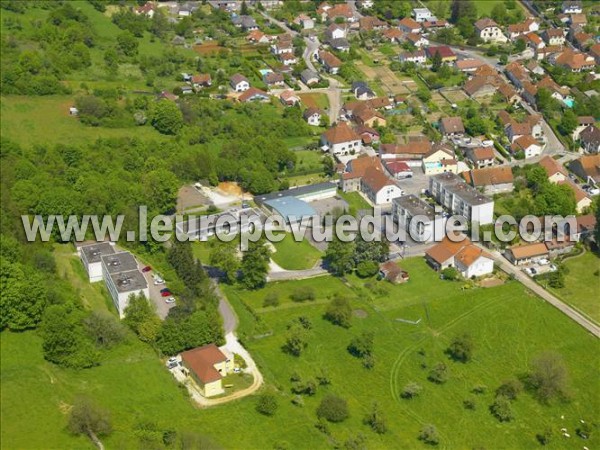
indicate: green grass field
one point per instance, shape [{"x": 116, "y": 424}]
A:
[
  {"x": 485, "y": 7},
  {"x": 509, "y": 327},
  {"x": 309, "y": 160},
  {"x": 46, "y": 120},
  {"x": 582, "y": 284},
  {"x": 355, "y": 201},
  {"x": 292, "y": 255}
]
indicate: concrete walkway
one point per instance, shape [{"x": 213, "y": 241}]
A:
[{"x": 575, "y": 315}]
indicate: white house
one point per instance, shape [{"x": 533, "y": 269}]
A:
[
  {"x": 379, "y": 188},
  {"x": 312, "y": 116},
  {"x": 335, "y": 31},
  {"x": 470, "y": 260},
  {"x": 572, "y": 7},
  {"x": 91, "y": 257},
  {"x": 450, "y": 191},
  {"x": 417, "y": 57},
  {"x": 341, "y": 140},
  {"x": 422, "y": 15},
  {"x": 239, "y": 83},
  {"x": 528, "y": 145},
  {"x": 418, "y": 218},
  {"x": 123, "y": 279},
  {"x": 489, "y": 31}
]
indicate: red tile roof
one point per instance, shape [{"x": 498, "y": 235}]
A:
[{"x": 202, "y": 360}]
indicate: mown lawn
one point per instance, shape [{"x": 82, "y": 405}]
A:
[
  {"x": 292, "y": 255},
  {"x": 315, "y": 100},
  {"x": 582, "y": 284},
  {"x": 355, "y": 201}
]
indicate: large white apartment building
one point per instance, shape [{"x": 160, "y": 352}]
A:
[
  {"x": 418, "y": 218},
  {"x": 123, "y": 279},
  {"x": 91, "y": 257},
  {"x": 450, "y": 191}
]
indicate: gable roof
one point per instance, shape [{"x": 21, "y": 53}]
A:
[
  {"x": 481, "y": 153},
  {"x": 524, "y": 142},
  {"x": 452, "y": 125},
  {"x": 329, "y": 59},
  {"x": 409, "y": 23},
  {"x": 484, "y": 23},
  {"x": 341, "y": 133},
  {"x": 551, "y": 166},
  {"x": 529, "y": 250},
  {"x": 202, "y": 360},
  {"x": 357, "y": 167},
  {"x": 590, "y": 135},
  {"x": 464, "y": 251},
  {"x": 443, "y": 50},
  {"x": 376, "y": 179},
  {"x": 310, "y": 112},
  {"x": 490, "y": 176},
  {"x": 238, "y": 78},
  {"x": 252, "y": 92}
]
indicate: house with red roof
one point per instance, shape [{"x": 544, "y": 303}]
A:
[{"x": 207, "y": 366}]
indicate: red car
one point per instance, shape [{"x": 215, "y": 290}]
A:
[
  {"x": 147, "y": 269},
  {"x": 165, "y": 294}
]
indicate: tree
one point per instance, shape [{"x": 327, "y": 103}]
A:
[
  {"x": 476, "y": 126},
  {"x": 339, "y": 311},
  {"x": 64, "y": 340},
  {"x": 296, "y": 340},
  {"x": 463, "y": 9},
  {"x": 104, "y": 329},
  {"x": 549, "y": 377},
  {"x": 89, "y": 419},
  {"x": 461, "y": 348},
  {"x": 376, "y": 420},
  {"x": 436, "y": 61},
  {"x": 362, "y": 345},
  {"x": 510, "y": 389},
  {"x": 167, "y": 117},
  {"x": 450, "y": 273},
  {"x": 23, "y": 296},
  {"x": 267, "y": 404},
  {"x": 568, "y": 122},
  {"x": 501, "y": 409},
  {"x": 140, "y": 317},
  {"x": 547, "y": 104},
  {"x": 545, "y": 436},
  {"x": 439, "y": 373},
  {"x": 127, "y": 44},
  {"x": 499, "y": 14},
  {"x": 520, "y": 45},
  {"x": 255, "y": 265},
  {"x": 429, "y": 434},
  {"x": 411, "y": 390},
  {"x": 224, "y": 257},
  {"x": 244, "y": 8},
  {"x": 339, "y": 257},
  {"x": 366, "y": 269},
  {"x": 333, "y": 408}
]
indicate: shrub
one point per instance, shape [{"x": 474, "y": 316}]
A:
[
  {"x": 479, "y": 389},
  {"x": 271, "y": 299},
  {"x": 450, "y": 273},
  {"x": 429, "y": 435},
  {"x": 544, "y": 437},
  {"x": 461, "y": 348},
  {"x": 411, "y": 390},
  {"x": 501, "y": 409},
  {"x": 549, "y": 377},
  {"x": 339, "y": 311},
  {"x": 298, "y": 400},
  {"x": 303, "y": 294},
  {"x": 367, "y": 269},
  {"x": 267, "y": 404},
  {"x": 510, "y": 389},
  {"x": 307, "y": 388},
  {"x": 376, "y": 420},
  {"x": 439, "y": 373},
  {"x": 584, "y": 430},
  {"x": 469, "y": 403},
  {"x": 333, "y": 409}
]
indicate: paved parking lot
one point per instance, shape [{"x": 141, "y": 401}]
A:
[
  {"x": 328, "y": 205},
  {"x": 162, "y": 307},
  {"x": 416, "y": 184}
]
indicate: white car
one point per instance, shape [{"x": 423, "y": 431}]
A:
[
  {"x": 237, "y": 370},
  {"x": 170, "y": 300},
  {"x": 543, "y": 262},
  {"x": 158, "y": 280}
]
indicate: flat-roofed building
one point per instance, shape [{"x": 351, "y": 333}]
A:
[
  {"x": 450, "y": 191},
  {"x": 123, "y": 279},
  {"x": 418, "y": 218},
  {"x": 91, "y": 257}
]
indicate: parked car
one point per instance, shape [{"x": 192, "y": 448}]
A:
[
  {"x": 165, "y": 293},
  {"x": 553, "y": 268},
  {"x": 543, "y": 262},
  {"x": 158, "y": 281},
  {"x": 533, "y": 271},
  {"x": 172, "y": 359},
  {"x": 170, "y": 300},
  {"x": 171, "y": 365},
  {"x": 164, "y": 290},
  {"x": 237, "y": 370}
]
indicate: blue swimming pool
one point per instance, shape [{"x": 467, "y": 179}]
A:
[
  {"x": 569, "y": 102},
  {"x": 263, "y": 72}
]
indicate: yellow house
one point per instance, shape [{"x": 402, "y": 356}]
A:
[
  {"x": 207, "y": 366},
  {"x": 439, "y": 160}
]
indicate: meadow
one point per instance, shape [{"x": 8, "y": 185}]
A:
[
  {"x": 292, "y": 255},
  {"x": 582, "y": 283},
  {"x": 509, "y": 327}
]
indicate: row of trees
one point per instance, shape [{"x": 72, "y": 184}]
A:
[{"x": 344, "y": 257}]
